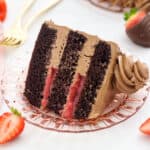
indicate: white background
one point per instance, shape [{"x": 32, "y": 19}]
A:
[{"x": 81, "y": 15}]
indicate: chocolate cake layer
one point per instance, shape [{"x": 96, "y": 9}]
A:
[
  {"x": 94, "y": 79},
  {"x": 106, "y": 93},
  {"x": 56, "y": 55},
  {"x": 80, "y": 76},
  {"x": 38, "y": 66},
  {"x": 66, "y": 71},
  {"x": 58, "y": 49}
]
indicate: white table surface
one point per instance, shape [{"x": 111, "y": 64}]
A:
[{"x": 81, "y": 15}]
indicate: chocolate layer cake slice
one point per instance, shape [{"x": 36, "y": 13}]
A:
[{"x": 75, "y": 74}]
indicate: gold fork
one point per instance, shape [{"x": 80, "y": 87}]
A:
[
  {"x": 17, "y": 35},
  {"x": 10, "y": 37}
]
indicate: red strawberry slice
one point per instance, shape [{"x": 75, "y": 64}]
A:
[
  {"x": 145, "y": 127},
  {"x": 11, "y": 125},
  {"x": 135, "y": 19}
]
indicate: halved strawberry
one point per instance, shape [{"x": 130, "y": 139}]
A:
[
  {"x": 133, "y": 18},
  {"x": 11, "y": 125},
  {"x": 145, "y": 127}
]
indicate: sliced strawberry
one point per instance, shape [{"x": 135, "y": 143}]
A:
[
  {"x": 3, "y": 10},
  {"x": 11, "y": 125},
  {"x": 145, "y": 127},
  {"x": 133, "y": 18}
]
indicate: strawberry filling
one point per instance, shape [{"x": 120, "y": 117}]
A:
[
  {"x": 48, "y": 86},
  {"x": 73, "y": 98}
]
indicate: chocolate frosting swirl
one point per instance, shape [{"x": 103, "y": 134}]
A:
[{"x": 129, "y": 76}]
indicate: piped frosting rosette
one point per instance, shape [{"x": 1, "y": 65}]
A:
[{"x": 129, "y": 75}]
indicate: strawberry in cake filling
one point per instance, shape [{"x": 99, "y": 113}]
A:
[
  {"x": 48, "y": 86},
  {"x": 73, "y": 97}
]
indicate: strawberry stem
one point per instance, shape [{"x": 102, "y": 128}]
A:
[
  {"x": 15, "y": 111},
  {"x": 128, "y": 15}
]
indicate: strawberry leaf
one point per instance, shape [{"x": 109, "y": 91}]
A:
[
  {"x": 127, "y": 15},
  {"x": 15, "y": 111}
]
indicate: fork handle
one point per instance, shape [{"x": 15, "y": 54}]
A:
[
  {"x": 25, "y": 8},
  {"x": 51, "y": 4}
]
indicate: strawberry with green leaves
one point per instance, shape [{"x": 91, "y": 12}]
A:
[
  {"x": 11, "y": 125},
  {"x": 134, "y": 17},
  {"x": 138, "y": 27}
]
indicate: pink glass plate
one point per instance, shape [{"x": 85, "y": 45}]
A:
[
  {"x": 121, "y": 108},
  {"x": 106, "y": 5}
]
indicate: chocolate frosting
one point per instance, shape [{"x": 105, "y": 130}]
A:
[
  {"x": 140, "y": 33},
  {"x": 129, "y": 76}
]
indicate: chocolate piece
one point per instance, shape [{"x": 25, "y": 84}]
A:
[{"x": 140, "y": 33}]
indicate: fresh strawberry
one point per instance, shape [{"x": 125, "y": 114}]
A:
[
  {"x": 145, "y": 127},
  {"x": 3, "y": 10},
  {"x": 133, "y": 18},
  {"x": 11, "y": 125}
]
